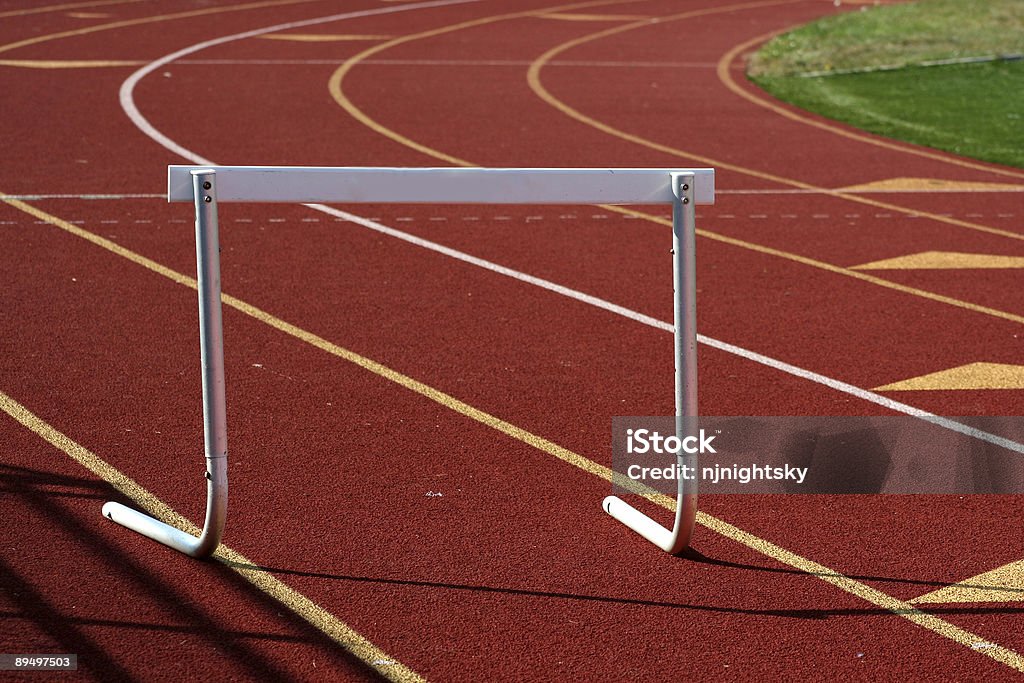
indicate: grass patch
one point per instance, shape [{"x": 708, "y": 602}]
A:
[
  {"x": 974, "y": 110},
  {"x": 894, "y": 36},
  {"x": 970, "y": 109}
]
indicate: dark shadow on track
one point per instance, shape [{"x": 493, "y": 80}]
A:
[
  {"x": 697, "y": 556},
  {"x": 48, "y": 494},
  {"x": 14, "y": 479},
  {"x": 791, "y": 614}
]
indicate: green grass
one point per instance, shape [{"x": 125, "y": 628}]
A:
[{"x": 969, "y": 109}]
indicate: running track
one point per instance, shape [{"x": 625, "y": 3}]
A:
[{"x": 380, "y": 522}]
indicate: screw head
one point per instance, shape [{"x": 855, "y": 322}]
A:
[
  {"x": 686, "y": 200},
  {"x": 686, "y": 187},
  {"x": 207, "y": 185},
  {"x": 207, "y": 199}
]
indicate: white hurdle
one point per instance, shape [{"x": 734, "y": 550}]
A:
[{"x": 206, "y": 186}]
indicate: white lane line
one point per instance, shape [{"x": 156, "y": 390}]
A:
[{"x": 128, "y": 105}]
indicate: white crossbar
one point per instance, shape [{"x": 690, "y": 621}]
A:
[{"x": 441, "y": 185}]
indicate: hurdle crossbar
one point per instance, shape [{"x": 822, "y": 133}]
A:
[{"x": 206, "y": 186}]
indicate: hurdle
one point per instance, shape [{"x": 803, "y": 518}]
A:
[{"x": 207, "y": 186}]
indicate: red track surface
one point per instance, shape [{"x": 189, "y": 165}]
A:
[{"x": 514, "y": 572}]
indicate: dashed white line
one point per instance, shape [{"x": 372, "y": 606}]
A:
[{"x": 440, "y": 219}]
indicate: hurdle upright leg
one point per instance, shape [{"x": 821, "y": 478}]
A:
[
  {"x": 211, "y": 343},
  {"x": 684, "y": 278}
]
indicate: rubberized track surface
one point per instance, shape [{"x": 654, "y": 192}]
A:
[{"x": 419, "y": 444}]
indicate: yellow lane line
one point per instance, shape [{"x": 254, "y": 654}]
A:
[
  {"x": 320, "y": 37},
  {"x": 533, "y": 77},
  {"x": 567, "y": 16},
  {"x": 899, "y": 607},
  {"x": 58, "y": 8},
  {"x": 315, "y": 615},
  {"x": 146, "y": 20},
  {"x": 67, "y": 63},
  {"x": 725, "y": 75}
]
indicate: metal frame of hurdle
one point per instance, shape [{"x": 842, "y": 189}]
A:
[{"x": 206, "y": 186}]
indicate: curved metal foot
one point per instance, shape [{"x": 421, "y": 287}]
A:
[
  {"x": 674, "y": 540},
  {"x": 216, "y": 514}
]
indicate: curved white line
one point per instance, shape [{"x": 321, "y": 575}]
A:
[
  {"x": 126, "y": 93},
  {"x": 128, "y": 104}
]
